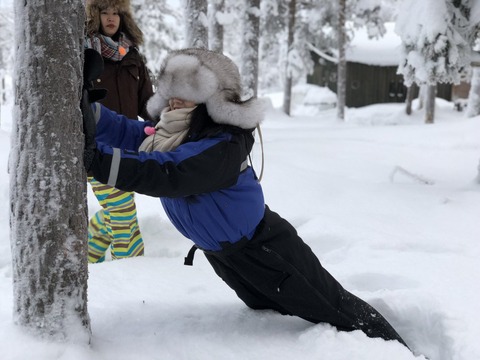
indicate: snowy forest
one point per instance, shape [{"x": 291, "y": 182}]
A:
[
  {"x": 277, "y": 45},
  {"x": 438, "y": 38}
]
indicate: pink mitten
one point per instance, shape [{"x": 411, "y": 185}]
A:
[{"x": 149, "y": 130}]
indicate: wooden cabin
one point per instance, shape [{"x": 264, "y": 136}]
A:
[{"x": 371, "y": 71}]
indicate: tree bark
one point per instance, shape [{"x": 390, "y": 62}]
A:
[
  {"x": 48, "y": 209},
  {"x": 287, "y": 92}
]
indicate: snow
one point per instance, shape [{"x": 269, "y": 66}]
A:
[
  {"x": 408, "y": 248},
  {"x": 436, "y": 42},
  {"x": 382, "y": 51}
]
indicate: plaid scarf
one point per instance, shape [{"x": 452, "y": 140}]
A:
[{"x": 110, "y": 49}]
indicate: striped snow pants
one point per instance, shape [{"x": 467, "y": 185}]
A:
[{"x": 114, "y": 226}]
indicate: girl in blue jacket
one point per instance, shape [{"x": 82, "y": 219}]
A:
[{"x": 213, "y": 197}]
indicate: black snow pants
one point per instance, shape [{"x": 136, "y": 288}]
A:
[{"x": 277, "y": 270}]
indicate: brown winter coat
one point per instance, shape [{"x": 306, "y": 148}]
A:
[{"x": 128, "y": 85}]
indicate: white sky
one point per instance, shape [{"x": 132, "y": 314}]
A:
[{"x": 408, "y": 248}]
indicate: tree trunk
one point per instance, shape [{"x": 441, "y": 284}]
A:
[
  {"x": 473, "y": 104},
  {"x": 409, "y": 100},
  {"x": 251, "y": 34},
  {"x": 478, "y": 173},
  {"x": 431, "y": 92},
  {"x": 215, "y": 27},
  {"x": 422, "y": 93},
  {"x": 342, "y": 62},
  {"x": 48, "y": 209},
  {"x": 287, "y": 92},
  {"x": 196, "y": 24},
  {"x": 3, "y": 91}
]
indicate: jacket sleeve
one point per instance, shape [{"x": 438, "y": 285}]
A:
[
  {"x": 193, "y": 168},
  {"x": 117, "y": 130}
]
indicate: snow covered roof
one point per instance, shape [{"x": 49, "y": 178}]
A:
[{"x": 384, "y": 51}]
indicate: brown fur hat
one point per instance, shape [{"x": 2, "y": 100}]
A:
[{"x": 127, "y": 23}]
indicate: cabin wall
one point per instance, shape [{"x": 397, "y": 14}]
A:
[{"x": 368, "y": 84}]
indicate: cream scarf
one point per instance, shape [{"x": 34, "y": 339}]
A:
[{"x": 170, "y": 130}]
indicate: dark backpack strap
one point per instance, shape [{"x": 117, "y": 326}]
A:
[{"x": 191, "y": 254}]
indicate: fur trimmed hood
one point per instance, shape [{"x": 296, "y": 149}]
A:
[
  {"x": 210, "y": 78},
  {"x": 128, "y": 25}
]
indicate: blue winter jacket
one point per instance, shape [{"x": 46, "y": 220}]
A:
[{"x": 206, "y": 187}]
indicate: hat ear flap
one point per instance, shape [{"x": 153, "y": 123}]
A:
[
  {"x": 155, "y": 105},
  {"x": 244, "y": 114}
]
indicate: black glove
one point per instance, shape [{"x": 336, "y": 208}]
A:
[
  {"x": 93, "y": 67},
  {"x": 89, "y": 130}
]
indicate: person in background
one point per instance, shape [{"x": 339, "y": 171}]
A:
[
  {"x": 112, "y": 31},
  {"x": 196, "y": 161}
]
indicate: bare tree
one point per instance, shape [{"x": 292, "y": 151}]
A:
[
  {"x": 48, "y": 209},
  {"x": 196, "y": 24},
  {"x": 250, "y": 46}
]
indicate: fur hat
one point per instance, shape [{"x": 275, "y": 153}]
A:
[
  {"x": 127, "y": 23},
  {"x": 210, "y": 78}
]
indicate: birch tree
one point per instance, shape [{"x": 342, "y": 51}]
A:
[{"x": 48, "y": 210}]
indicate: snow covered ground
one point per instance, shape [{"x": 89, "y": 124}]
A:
[{"x": 407, "y": 246}]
